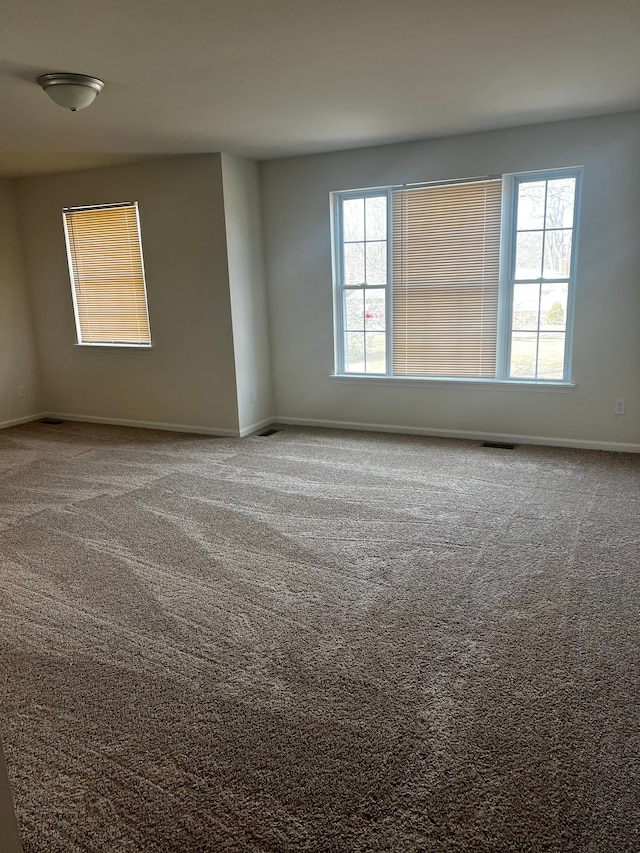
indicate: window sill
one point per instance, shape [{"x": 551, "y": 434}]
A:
[
  {"x": 490, "y": 384},
  {"x": 128, "y": 347}
]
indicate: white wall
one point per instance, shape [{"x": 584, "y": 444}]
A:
[
  {"x": 18, "y": 359},
  {"x": 606, "y": 356},
  {"x": 247, "y": 287},
  {"x": 188, "y": 377}
]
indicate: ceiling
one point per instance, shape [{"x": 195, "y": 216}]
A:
[{"x": 272, "y": 78}]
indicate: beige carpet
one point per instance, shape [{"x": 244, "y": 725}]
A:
[{"x": 317, "y": 641}]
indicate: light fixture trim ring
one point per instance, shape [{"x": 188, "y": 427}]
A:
[{"x": 66, "y": 79}]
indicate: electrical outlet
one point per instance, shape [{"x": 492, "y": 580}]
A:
[
  {"x": 619, "y": 408},
  {"x": 22, "y": 391},
  {"x": 252, "y": 396}
]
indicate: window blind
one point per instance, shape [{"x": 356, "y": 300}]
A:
[
  {"x": 446, "y": 259},
  {"x": 107, "y": 274}
]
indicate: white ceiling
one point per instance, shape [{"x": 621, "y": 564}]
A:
[{"x": 271, "y": 78}]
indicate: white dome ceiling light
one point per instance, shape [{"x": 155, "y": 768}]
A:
[{"x": 71, "y": 91}]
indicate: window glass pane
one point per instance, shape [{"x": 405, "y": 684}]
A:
[
  {"x": 376, "y": 263},
  {"x": 354, "y": 263},
  {"x": 531, "y": 204},
  {"x": 551, "y": 355},
  {"x": 375, "y": 310},
  {"x": 529, "y": 254},
  {"x": 354, "y": 313},
  {"x": 553, "y": 306},
  {"x": 354, "y": 352},
  {"x": 376, "y": 362},
  {"x": 353, "y": 219},
  {"x": 560, "y": 198},
  {"x": 523, "y": 354},
  {"x": 376, "y": 218},
  {"x": 526, "y": 299},
  {"x": 557, "y": 254}
]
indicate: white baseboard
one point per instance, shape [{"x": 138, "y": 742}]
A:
[
  {"x": 551, "y": 441},
  {"x": 223, "y": 433},
  {"x": 256, "y": 426},
  {"x": 25, "y": 420}
]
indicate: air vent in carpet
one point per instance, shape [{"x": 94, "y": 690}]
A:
[
  {"x": 268, "y": 432},
  {"x": 50, "y": 421},
  {"x": 498, "y": 445}
]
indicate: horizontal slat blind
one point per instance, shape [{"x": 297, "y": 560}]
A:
[
  {"x": 105, "y": 261},
  {"x": 446, "y": 258}
]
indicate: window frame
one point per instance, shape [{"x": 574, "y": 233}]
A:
[
  {"x": 340, "y": 288},
  {"x": 508, "y": 240},
  {"x": 508, "y": 236},
  {"x": 147, "y": 345}
]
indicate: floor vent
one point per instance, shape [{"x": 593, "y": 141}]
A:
[
  {"x": 268, "y": 432},
  {"x": 498, "y": 445},
  {"x": 50, "y": 421}
]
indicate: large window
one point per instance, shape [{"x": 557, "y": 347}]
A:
[
  {"x": 467, "y": 280},
  {"x": 107, "y": 275}
]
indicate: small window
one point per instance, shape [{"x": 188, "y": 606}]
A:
[
  {"x": 107, "y": 275},
  {"x": 364, "y": 277},
  {"x": 541, "y": 281}
]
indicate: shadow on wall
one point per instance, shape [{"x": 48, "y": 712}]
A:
[{"x": 8, "y": 827}]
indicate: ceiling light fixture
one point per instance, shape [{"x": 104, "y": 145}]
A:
[{"x": 71, "y": 91}]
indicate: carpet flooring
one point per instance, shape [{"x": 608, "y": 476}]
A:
[{"x": 317, "y": 641}]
